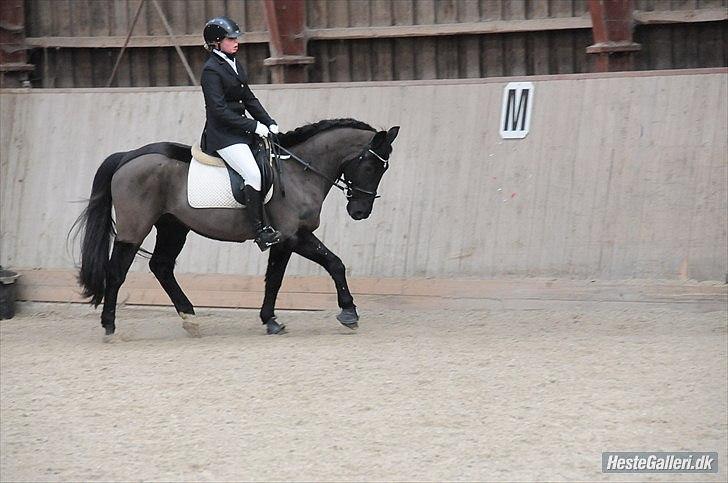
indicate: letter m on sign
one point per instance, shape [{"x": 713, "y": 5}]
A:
[{"x": 516, "y": 111}]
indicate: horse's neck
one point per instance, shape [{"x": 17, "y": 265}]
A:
[{"x": 330, "y": 149}]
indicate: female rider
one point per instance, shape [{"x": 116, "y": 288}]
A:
[{"x": 228, "y": 132}]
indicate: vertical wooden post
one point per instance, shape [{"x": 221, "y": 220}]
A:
[
  {"x": 612, "y": 30},
  {"x": 287, "y": 28},
  {"x": 13, "y": 58}
]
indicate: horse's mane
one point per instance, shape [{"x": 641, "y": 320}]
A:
[{"x": 299, "y": 135}]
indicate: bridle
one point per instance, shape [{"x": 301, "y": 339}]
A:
[{"x": 341, "y": 182}]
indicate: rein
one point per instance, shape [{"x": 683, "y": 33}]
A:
[{"x": 346, "y": 186}]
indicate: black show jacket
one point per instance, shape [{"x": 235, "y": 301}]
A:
[{"x": 227, "y": 97}]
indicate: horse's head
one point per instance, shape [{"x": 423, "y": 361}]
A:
[{"x": 363, "y": 173}]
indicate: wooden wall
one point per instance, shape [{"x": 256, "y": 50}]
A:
[
  {"x": 665, "y": 46},
  {"x": 446, "y": 57},
  {"x": 621, "y": 176},
  {"x": 140, "y": 67}
]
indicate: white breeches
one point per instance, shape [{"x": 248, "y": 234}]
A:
[{"x": 241, "y": 159}]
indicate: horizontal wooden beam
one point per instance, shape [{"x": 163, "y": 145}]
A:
[
  {"x": 397, "y": 31},
  {"x": 680, "y": 16},
  {"x": 465, "y": 28},
  {"x": 137, "y": 41},
  {"x": 16, "y": 67},
  {"x": 318, "y": 293}
]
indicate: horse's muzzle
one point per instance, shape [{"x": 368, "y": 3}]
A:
[{"x": 359, "y": 211}]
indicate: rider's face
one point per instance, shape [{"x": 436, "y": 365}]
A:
[{"x": 229, "y": 46}]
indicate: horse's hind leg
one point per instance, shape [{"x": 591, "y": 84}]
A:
[
  {"x": 311, "y": 247},
  {"x": 171, "y": 237},
  {"x": 122, "y": 256}
]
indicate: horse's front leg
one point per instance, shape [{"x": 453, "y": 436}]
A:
[
  {"x": 310, "y": 247},
  {"x": 277, "y": 263}
]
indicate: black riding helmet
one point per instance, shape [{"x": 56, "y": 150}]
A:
[{"x": 218, "y": 28}]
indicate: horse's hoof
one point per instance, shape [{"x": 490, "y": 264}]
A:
[
  {"x": 112, "y": 339},
  {"x": 185, "y": 315},
  {"x": 192, "y": 328},
  {"x": 272, "y": 327},
  {"x": 349, "y": 318}
]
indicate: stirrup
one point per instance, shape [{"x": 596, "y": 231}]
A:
[{"x": 267, "y": 237}]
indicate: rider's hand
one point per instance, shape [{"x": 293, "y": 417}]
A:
[
  {"x": 261, "y": 130},
  {"x": 273, "y": 129}
]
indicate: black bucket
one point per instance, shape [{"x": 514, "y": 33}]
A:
[{"x": 8, "y": 291}]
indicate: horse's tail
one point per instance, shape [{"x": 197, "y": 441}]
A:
[{"x": 98, "y": 226}]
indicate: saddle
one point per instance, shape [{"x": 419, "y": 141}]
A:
[{"x": 262, "y": 159}]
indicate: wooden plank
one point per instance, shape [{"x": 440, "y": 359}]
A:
[
  {"x": 360, "y": 13},
  {"x": 361, "y": 60},
  {"x": 316, "y": 293},
  {"x": 62, "y": 16},
  {"x": 142, "y": 41},
  {"x": 492, "y": 56},
  {"x": 468, "y": 11},
  {"x": 102, "y": 62},
  {"x": 403, "y": 50},
  {"x": 196, "y": 19},
  {"x": 491, "y": 10},
  {"x": 515, "y": 54},
  {"x": 236, "y": 11},
  {"x": 119, "y": 18},
  {"x": 465, "y": 28},
  {"x": 316, "y": 14},
  {"x": 397, "y": 31},
  {"x": 62, "y": 75},
  {"x": 339, "y": 52},
  {"x": 361, "y": 50},
  {"x": 403, "y": 12},
  {"x": 44, "y": 12},
  {"x": 684, "y": 5},
  {"x": 426, "y": 49},
  {"x": 712, "y": 45},
  {"x": 99, "y": 12},
  {"x": 142, "y": 25},
  {"x": 662, "y": 43},
  {"x": 447, "y": 51},
  {"x": 469, "y": 47},
  {"x": 255, "y": 16},
  {"x": 32, "y": 18},
  {"x": 176, "y": 16},
  {"x": 381, "y": 12},
  {"x": 382, "y": 59},
  {"x": 681, "y": 16},
  {"x": 579, "y": 8},
  {"x": 564, "y": 52},
  {"x": 139, "y": 67},
  {"x": 582, "y": 61},
  {"x": 160, "y": 59},
  {"x": 180, "y": 22},
  {"x": 712, "y": 4},
  {"x": 217, "y": 8},
  {"x": 539, "y": 53}
]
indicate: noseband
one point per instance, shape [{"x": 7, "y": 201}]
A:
[
  {"x": 350, "y": 184},
  {"x": 342, "y": 182}
]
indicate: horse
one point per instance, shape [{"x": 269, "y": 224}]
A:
[{"x": 148, "y": 188}]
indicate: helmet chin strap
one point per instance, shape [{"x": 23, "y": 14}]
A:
[{"x": 229, "y": 56}]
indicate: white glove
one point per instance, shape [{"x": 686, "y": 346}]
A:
[
  {"x": 261, "y": 130},
  {"x": 273, "y": 129}
]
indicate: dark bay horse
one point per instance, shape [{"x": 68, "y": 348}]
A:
[{"x": 148, "y": 187}]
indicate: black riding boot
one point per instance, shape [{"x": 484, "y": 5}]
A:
[{"x": 265, "y": 235}]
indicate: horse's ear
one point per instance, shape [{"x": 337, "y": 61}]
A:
[
  {"x": 379, "y": 138},
  {"x": 392, "y": 134}
]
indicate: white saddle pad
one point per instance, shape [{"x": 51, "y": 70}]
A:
[{"x": 209, "y": 187}]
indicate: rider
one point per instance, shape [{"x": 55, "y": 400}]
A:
[{"x": 227, "y": 130}]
